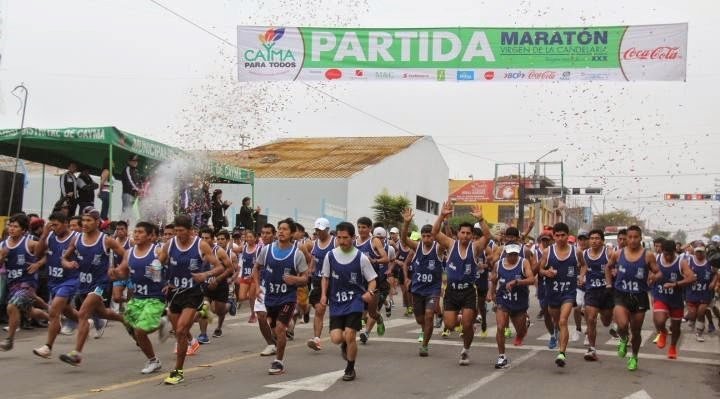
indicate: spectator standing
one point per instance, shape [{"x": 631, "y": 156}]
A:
[
  {"x": 218, "y": 206},
  {"x": 248, "y": 215},
  {"x": 86, "y": 189},
  {"x": 69, "y": 188},
  {"x": 104, "y": 193},
  {"x": 131, "y": 186}
]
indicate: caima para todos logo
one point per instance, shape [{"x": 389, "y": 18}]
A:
[{"x": 269, "y": 55}]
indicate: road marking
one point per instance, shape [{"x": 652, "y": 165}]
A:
[
  {"x": 488, "y": 378},
  {"x": 649, "y": 356},
  {"x": 639, "y": 395},
  {"x": 491, "y": 331},
  {"x": 315, "y": 383},
  {"x": 645, "y": 334}
]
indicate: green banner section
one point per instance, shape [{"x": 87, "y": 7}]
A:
[{"x": 596, "y": 47}]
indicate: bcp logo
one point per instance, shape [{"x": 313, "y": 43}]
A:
[
  {"x": 332, "y": 74},
  {"x": 662, "y": 53}
]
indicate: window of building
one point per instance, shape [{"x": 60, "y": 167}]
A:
[
  {"x": 506, "y": 213},
  {"x": 426, "y": 205}
]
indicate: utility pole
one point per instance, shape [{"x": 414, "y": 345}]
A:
[{"x": 20, "y": 133}]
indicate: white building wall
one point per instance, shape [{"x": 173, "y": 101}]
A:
[
  {"x": 302, "y": 199},
  {"x": 418, "y": 170}
]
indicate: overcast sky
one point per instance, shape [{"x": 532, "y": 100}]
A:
[{"x": 136, "y": 66}]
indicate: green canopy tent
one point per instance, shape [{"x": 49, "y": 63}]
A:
[{"x": 91, "y": 146}]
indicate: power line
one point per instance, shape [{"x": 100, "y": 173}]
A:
[{"x": 366, "y": 113}]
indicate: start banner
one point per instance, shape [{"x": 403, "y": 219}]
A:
[{"x": 619, "y": 53}]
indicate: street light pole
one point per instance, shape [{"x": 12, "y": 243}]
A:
[{"x": 17, "y": 151}]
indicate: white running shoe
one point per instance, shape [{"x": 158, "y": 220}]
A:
[
  {"x": 43, "y": 351},
  {"x": 464, "y": 358},
  {"x": 67, "y": 330},
  {"x": 151, "y": 366},
  {"x": 586, "y": 342},
  {"x": 100, "y": 328},
  {"x": 575, "y": 336},
  {"x": 699, "y": 337},
  {"x": 268, "y": 351}
]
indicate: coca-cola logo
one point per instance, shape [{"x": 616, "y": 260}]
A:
[
  {"x": 541, "y": 75},
  {"x": 657, "y": 53}
]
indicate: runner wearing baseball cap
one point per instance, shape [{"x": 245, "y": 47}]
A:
[{"x": 319, "y": 248}]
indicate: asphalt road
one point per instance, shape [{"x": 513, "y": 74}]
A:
[{"x": 387, "y": 367}]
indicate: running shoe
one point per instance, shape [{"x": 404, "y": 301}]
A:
[
  {"x": 363, "y": 337},
  {"x": 613, "y": 331},
  {"x": 349, "y": 375},
  {"x": 518, "y": 341},
  {"x": 483, "y": 332},
  {"x": 268, "y": 351},
  {"x": 445, "y": 333},
  {"x": 276, "y": 368},
  {"x": 306, "y": 318},
  {"x": 553, "y": 342},
  {"x": 67, "y": 330},
  {"x": 388, "y": 311},
  {"x": 314, "y": 344},
  {"x": 711, "y": 328},
  {"x": 6, "y": 345},
  {"x": 43, "y": 351},
  {"x": 343, "y": 351},
  {"x": 193, "y": 347},
  {"x": 176, "y": 377},
  {"x": 586, "y": 341},
  {"x": 73, "y": 358},
  {"x": 540, "y": 315},
  {"x": 217, "y": 333},
  {"x": 464, "y": 358},
  {"x": 657, "y": 337},
  {"x": 151, "y": 366},
  {"x": 622, "y": 347},
  {"x": 672, "y": 352},
  {"x": 409, "y": 311},
  {"x": 421, "y": 337},
  {"x": 438, "y": 322},
  {"x": 502, "y": 362},
  {"x": 290, "y": 334},
  {"x": 232, "y": 310},
  {"x": 203, "y": 339},
  {"x": 508, "y": 332},
  {"x": 423, "y": 351},
  {"x": 163, "y": 333},
  {"x": 381, "y": 327},
  {"x": 591, "y": 355},
  {"x": 662, "y": 340},
  {"x": 632, "y": 363},
  {"x": 575, "y": 336},
  {"x": 458, "y": 328},
  {"x": 699, "y": 337},
  {"x": 478, "y": 319},
  {"x": 252, "y": 319},
  {"x": 560, "y": 359},
  {"x": 100, "y": 326}
]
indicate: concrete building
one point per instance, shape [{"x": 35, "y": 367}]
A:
[{"x": 339, "y": 177}]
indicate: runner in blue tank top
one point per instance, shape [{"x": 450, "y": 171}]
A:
[
  {"x": 18, "y": 254},
  {"x": 319, "y": 248},
  {"x": 635, "y": 267},
  {"x": 668, "y": 295},
  {"x": 598, "y": 298},
  {"x": 63, "y": 283},
  {"x": 374, "y": 249},
  {"x": 403, "y": 256},
  {"x": 145, "y": 310},
  {"x": 461, "y": 269},
  {"x": 552, "y": 328},
  {"x": 348, "y": 281},
  {"x": 426, "y": 282},
  {"x": 184, "y": 255},
  {"x": 701, "y": 292},
  {"x": 119, "y": 286},
  {"x": 89, "y": 254},
  {"x": 509, "y": 289},
  {"x": 563, "y": 268},
  {"x": 216, "y": 289},
  {"x": 283, "y": 267}
]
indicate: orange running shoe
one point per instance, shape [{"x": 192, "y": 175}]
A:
[
  {"x": 193, "y": 347},
  {"x": 662, "y": 340},
  {"x": 672, "y": 352},
  {"x": 517, "y": 341}
]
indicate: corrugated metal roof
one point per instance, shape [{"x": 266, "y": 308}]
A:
[{"x": 316, "y": 157}]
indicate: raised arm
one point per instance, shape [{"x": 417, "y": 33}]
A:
[
  {"x": 440, "y": 237},
  {"x": 407, "y": 219},
  {"x": 482, "y": 242}
]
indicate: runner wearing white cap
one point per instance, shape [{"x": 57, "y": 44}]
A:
[
  {"x": 374, "y": 249},
  {"x": 318, "y": 248}
]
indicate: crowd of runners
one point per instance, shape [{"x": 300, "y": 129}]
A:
[{"x": 166, "y": 279}]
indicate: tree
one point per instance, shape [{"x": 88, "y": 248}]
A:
[
  {"x": 388, "y": 209},
  {"x": 680, "y": 236},
  {"x": 714, "y": 230},
  {"x": 661, "y": 233},
  {"x": 617, "y": 218}
]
